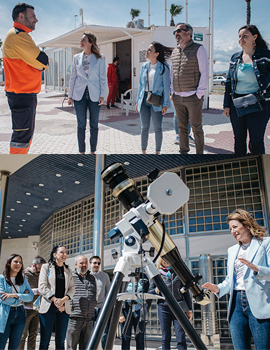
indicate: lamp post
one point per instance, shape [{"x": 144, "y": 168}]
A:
[
  {"x": 165, "y": 13},
  {"x": 75, "y": 21},
  {"x": 81, "y": 14}
]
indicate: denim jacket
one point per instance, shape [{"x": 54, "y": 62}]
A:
[
  {"x": 6, "y": 304},
  {"x": 261, "y": 67}
]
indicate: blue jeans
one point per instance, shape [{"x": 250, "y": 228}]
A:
[
  {"x": 243, "y": 325},
  {"x": 14, "y": 328},
  {"x": 166, "y": 317},
  {"x": 81, "y": 113},
  {"x": 175, "y": 123},
  {"x": 47, "y": 320},
  {"x": 139, "y": 337},
  {"x": 253, "y": 123},
  {"x": 146, "y": 113}
]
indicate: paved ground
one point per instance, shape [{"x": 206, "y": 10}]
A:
[
  {"x": 56, "y": 129},
  {"x": 150, "y": 345}
]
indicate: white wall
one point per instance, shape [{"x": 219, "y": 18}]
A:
[{"x": 21, "y": 246}]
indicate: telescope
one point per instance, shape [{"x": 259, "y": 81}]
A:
[
  {"x": 165, "y": 195},
  {"x": 138, "y": 225}
]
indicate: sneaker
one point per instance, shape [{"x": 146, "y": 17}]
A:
[
  {"x": 108, "y": 107},
  {"x": 114, "y": 106},
  {"x": 191, "y": 138},
  {"x": 177, "y": 140}
]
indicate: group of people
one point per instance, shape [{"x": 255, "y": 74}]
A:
[
  {"x": 246, "y": 100},
  {"x": 51, "y": 296},
  {"x": 70, "y": 301}
]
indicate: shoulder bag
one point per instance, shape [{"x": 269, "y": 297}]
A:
[
  {"x": 247, "y": 104},
  {"x": 153, "y": 99}
]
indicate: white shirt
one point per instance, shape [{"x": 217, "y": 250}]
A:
[
  {"x": 13, "y": 289},
  {"x": 86, "y": 63},
  {"x": 151, "y": 74},
  {"x": 240, "y": 267}
]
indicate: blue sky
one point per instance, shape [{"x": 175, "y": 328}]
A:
[{"x": 58, "y": 16}]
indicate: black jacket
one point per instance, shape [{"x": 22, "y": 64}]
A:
[{"x": 174, "y": 285}]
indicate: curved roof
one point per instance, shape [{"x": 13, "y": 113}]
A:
[{"x": 49, "y": 182}]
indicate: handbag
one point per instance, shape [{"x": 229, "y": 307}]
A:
[
  {"x": 151, "y": 98},
  {"x": 247, "y": 104}
]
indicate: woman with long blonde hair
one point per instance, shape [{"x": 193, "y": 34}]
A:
[
  {"x": 87, "y": 89},
  {"x": 248, "y": 282}
]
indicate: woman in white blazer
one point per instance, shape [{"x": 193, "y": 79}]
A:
[
  {"x": 87, "y": 88},
  {"x": 248, "y": 282},
  {"x": 56, "y": 288},
  {"x": 155, "y": 77}
]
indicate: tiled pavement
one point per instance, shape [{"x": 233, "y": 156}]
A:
[
  {"x": 56, "y": 129},
  {"x": 150, "y": 345}
]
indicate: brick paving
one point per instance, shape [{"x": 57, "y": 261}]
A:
[{"x": 56, "y": 129}]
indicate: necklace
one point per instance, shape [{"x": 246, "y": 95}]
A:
[{"x": 245, "y": 245}]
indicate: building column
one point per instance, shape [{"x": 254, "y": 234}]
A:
[
  {"x": 4, "y": 180},
  {"x": 99, "y": 208}
]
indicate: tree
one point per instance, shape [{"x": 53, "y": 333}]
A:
[
  {"x": 174, "y": 11},
  {"x": 134, "y": 13},
  {"x": 248, "y": 11}
]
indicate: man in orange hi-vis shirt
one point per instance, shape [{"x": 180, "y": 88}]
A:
[{"x": 23, "y": 65}]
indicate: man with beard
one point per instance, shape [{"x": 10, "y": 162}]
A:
[
  {"x": 23, "y": 64},
  {"x": 189, "y": 80},
  {"x": 82, "y": 305},
  {"x": 32, "y": 316}
]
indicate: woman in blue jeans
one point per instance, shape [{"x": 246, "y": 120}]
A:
[
  {"x": 165, "y": 315},
  {"x": 14, "y": 290},
  {"x": 56, "y": 287},
  {"x": 87, "y": 88},
  {"x": 249, "y": 73},
  {"x": 248, "y": 282},
  {"x": 155, "y": 77}
]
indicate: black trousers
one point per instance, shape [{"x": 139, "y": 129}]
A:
[{"x": 23, "y": 114}]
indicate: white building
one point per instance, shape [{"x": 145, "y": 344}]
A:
[{"x": 129, "y": 44}]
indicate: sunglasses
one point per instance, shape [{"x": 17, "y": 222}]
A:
[
  {"x": 179, "y": 30},
  {"x": 96, "y": 263}
]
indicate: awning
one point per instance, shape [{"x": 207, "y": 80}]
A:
[{"x": 104, "y": 35}]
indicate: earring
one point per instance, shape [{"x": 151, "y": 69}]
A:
[{"x": 254, "y": 43}]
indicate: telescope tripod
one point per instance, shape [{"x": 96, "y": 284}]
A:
[{"x": 122, "y": 271}]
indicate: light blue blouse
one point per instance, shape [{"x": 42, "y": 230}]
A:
[{"x": 246, "y": 79}]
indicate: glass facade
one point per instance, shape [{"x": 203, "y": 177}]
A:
[{"x": 215, "y": 190}]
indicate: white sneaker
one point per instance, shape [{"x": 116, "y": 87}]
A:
[{"x": 177, "y": 140}]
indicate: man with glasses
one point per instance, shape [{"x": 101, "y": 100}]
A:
[
  {"x": 189, "y": 79},
  {"x": 103, "y": 286}
]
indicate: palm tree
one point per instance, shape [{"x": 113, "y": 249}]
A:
[
  {"x": 248, "y": 11},
  {"x": 134, "y": 13},
  {"x": 174, "y": 11}
]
